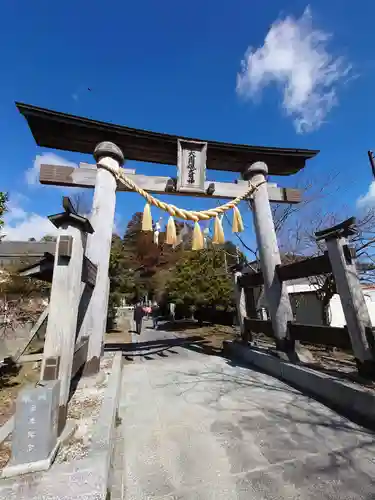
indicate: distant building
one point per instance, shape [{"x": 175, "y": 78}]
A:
[
  {"x": 22, "y": 253},
  {"x": 308, "y": 307}
]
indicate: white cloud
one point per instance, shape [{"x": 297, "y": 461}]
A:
[
  {"x": 368, "y": 199},
  {"x": 20, "y": 225},
  {"x": 295, "y": 57},
  {"x": 32, "y": 174}
]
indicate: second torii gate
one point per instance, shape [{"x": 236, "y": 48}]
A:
[{"x": 111, "y": 144}]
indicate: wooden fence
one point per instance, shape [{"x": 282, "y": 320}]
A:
[{"x": 338, "y": 260}]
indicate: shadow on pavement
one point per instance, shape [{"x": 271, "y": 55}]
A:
[
  {"x": 349, "y": 414},
  {"x": 194, "y": 343},
  {"x": 181, "y": 324}
]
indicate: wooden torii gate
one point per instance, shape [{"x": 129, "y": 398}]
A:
[{"x": 57, "y": 130}]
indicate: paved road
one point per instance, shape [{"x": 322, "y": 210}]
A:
[{"x": 198, "y": 428}]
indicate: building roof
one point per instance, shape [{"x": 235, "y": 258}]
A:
[
  {"x": 52, "y": 129},
  {"x": 368, "y": 286},
  {"x": 26, "y": 248}
]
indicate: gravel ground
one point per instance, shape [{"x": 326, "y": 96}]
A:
[{"x": 84, "y": 408}]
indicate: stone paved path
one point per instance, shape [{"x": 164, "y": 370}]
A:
[{"x": 196, "y": 427}]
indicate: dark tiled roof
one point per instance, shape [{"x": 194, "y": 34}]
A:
[
  {"x": 26, "y": 248},
  {"x": 53, "y": 129}
]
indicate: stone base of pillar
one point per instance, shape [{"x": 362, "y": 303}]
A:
[
  {"x": 366, "y": 369},
  {"x": 285, "y": 346},
  {"x": 92, "y": 367},
  {"x": 293, "y": 352},
  {"x": 288, "y": 356},
  {"x": 246, "y": 337},
  {"x": 61, "y": 418},
  {"x": 370, "y": 337}
]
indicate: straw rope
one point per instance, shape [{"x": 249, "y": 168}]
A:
[{"x": 181, "y": 213}]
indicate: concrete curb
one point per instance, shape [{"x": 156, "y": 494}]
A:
[
  {"x": 352, "y": 401},
  {"x": 103, "y": 438},
  {"x": 80, "y": 479}
]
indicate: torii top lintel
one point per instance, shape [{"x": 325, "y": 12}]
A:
[{"x": 53, "y": 129}]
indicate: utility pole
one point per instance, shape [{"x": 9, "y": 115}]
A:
[
  {"x": 225, "y": 261},
  {"x": 237, "y": 254},
  {"x": 372, "y": 162}
]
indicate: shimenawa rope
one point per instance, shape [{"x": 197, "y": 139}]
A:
[{"x": 181, "y": 213}]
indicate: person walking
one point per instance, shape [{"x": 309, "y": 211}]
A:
[
  {"x": 172, "y": 310},
  {"x": 155, "y": 315},
  {"x": 138, "y": 317}
]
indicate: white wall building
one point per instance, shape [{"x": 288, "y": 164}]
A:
[
  {"x": 337, "y": 314},
  {"x": 308, "y": 308}
]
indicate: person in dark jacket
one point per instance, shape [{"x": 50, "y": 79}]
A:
[
  {"x": 138, "y": 317},
  {"x": 155, "y": 314}
]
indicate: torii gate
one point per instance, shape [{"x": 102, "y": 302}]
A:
[{"x": 57, "y": 130}]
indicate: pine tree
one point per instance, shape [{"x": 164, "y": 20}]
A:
[
  {"x": 200, "y": 279},
  {"x": 3, "y": 208}
]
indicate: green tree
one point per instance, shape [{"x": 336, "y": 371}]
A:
[
  {"x": 200, "y": 279},
  {"x": 150, "y": 263},
  {"x": 139, "y": 267},
  {"x": 121, "y": 277},
  {"x": 3, "y": 207},
  {"x": 48, "y": 237}
]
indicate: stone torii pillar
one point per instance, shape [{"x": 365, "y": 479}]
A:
[
  {"x": 239, "y": 296},
  {"x": 342, "y": 258},
  {"x": 99, "y": 248},
  {"x": 60, "y": 338},
  {"x": 276, "y": 293}
]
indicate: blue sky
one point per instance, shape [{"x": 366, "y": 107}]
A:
[{"x": 173, "y": 67}]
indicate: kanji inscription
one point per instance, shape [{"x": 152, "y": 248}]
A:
[{"x": 191, "y": 166}]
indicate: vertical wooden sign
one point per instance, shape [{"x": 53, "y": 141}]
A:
[{"x": 191, "y": 166}]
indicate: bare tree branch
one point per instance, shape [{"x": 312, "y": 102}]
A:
[
  {"x": 240, "y": 239},
  {"x": 21, "y": 301},
  {"x": 82, "y": 202}
]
